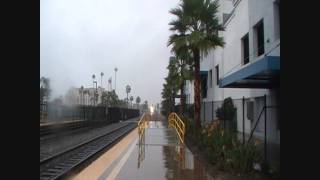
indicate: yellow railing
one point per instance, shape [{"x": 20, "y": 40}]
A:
[
  {"x": 178, "y": 124},
  {"x": 143, "y": 123}
]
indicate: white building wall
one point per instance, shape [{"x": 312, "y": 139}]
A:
[
  {"x": 244, "y": 17},
  {"x": 229, "y": 58},
  {"x": 237, "y": 27}
]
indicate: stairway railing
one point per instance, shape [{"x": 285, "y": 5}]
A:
[{"x": 178, "y": 124}]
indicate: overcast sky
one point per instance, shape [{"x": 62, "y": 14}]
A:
[{"x": 79, "y": 38}]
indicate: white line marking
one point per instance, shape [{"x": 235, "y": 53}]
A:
[{"x": 114, "y": 173}]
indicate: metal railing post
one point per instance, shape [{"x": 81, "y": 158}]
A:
[
  {"x": 265, "y": 127},
  {"x": 243, "y": 125},
  {"x": 212, "y": 111},
  {"x": 204, "y": 111}
]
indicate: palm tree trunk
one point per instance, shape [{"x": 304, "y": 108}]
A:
[{"x": 196, "y": 57}]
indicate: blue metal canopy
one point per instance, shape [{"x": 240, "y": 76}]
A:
[{"x": 263, "y": 73}]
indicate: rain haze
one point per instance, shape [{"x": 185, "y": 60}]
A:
[{"x": 79, "y": 38}]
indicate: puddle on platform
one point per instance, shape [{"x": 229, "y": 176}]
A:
[
  {"x": 158, "y": 155},
  {"x": 162, "y": 162}
]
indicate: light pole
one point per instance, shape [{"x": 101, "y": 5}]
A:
[
  {"x": 93, "y": 77},
  {"x": 115, "y": 78},
  {"x": 101, "y": 74}
]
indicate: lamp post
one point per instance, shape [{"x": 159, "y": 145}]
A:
[
  {"x": 115, "y": 78},
  {"x": 101, "y": 74},
  {"x": 93, "y": 77}
]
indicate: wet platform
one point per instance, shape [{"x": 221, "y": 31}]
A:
[
  {"x": 160, "y": 156},
  {"x": 156, "y": 155}
]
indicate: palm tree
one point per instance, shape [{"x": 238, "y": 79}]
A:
[
  {"x": 145, "y": 106},
  {"x": 181, "y": 61},
  {"x": 138, "y": 100},
  {"x": 84, "y": 96},
  {"x": 110, "y": 84},
  {"x": 131, "y": 99},
  {"x": 101, "y": 74},
  {"x": 198, "y": 19},
  {"x": 171, "y": 86},
  {"x": 81, "y": 95},
  {"x": 128, "y": 89}
]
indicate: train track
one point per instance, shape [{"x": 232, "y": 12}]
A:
[
  {"x": 67, "y": 127},
  {"x": 57, "y": 166}
]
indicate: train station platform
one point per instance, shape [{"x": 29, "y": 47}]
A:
[{"x": 158, "y": 154}]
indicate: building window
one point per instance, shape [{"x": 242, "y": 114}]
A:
[
  {"x": 250, "y": 110},
  {"x": 217, "y": 74},
  {"x": 204, "y": 85},
  {"x": 210, "y": 78},
  {"x": 258, "y": 29},
  {"x": 276, "y": 9},
  {"x": 245, "y": 49}
]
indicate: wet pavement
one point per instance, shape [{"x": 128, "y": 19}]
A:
[{"x": 156, "y": 155}]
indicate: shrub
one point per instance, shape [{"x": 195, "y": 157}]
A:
[
  {"x": 221, "y": 147},
  {"x": 227, "y": 110},
  {"x": 242, "y": 157}
]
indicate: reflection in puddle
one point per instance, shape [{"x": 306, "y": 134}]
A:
[
  {"x": 181, "y": 164},
  {"x": 142, "y": 147},
  {"x": 178, "y": 161},
  {"x": 159, "y": 156}
]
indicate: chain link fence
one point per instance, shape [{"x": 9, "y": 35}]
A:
[{"x": 256, "y": 119}]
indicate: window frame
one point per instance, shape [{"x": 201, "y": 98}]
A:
[
  {"x": 210, "y": 79},
  {"x": 246, "y": 36},
  {"x": 217, "y": 74},
  {"x": 259, "y": 28}
]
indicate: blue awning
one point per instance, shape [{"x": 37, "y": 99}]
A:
[{"x": 263, "y": 73}]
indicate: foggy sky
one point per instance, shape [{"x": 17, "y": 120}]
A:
[{"x": 79, "y": 38}]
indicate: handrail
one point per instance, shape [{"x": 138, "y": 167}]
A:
[
  {"x": 143, "y": 122},
  {"x": 178, "y": 124}
]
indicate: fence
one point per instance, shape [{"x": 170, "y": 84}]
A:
[
  {"x": 59, "y": 113},
  {"x": 43, "y": 111},
  {"x": 256, "y": 119}
]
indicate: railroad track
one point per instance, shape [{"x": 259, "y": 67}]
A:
[
  {"x": 62, "y": 127},
  {"x": 57, "y": 166}
]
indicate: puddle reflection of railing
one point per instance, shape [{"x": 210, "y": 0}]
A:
[
  {"x": 180, "y": 155},
  {"x": 142, "y": 125},
  {"x": 142, "y": 147}
]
